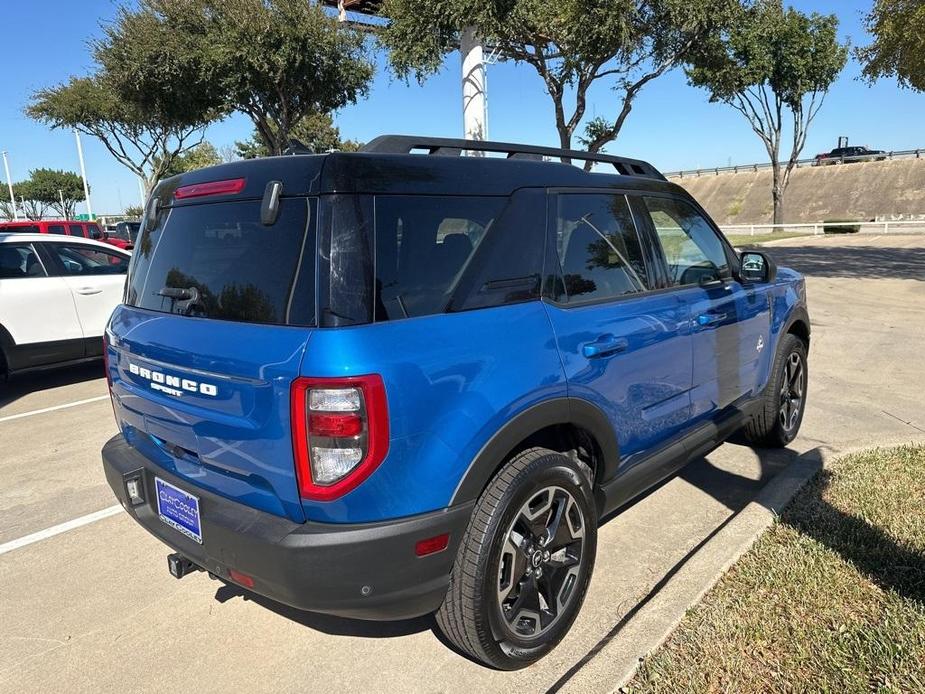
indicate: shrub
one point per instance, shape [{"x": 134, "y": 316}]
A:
[{"x": 842, "y": 227}]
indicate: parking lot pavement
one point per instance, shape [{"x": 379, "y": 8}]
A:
[{"x": 94, "y": 609}]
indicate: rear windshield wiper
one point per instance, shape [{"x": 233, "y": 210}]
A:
[{"x": 183, "y": 298}]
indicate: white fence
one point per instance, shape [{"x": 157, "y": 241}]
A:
[{"x": 884, "y": 227}]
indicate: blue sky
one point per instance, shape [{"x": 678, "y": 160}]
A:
[{"x": 672, "y": 124}]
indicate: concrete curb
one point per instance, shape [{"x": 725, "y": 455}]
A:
[{"x": 660, "y": 613}]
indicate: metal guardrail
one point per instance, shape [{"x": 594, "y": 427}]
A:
[
  {"x": 816, "y": 228},
  {"x": 832, "y": 161}
]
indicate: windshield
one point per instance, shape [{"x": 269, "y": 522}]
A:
[{"x": 219, "y": 261}]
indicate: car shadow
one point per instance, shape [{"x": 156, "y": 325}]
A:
[
  {"x": 329, "y": 624},
  {"x": 20, "y": 385},
  {"x": 871, "y": 262}
]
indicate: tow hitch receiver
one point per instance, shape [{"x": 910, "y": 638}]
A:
[{"x": 179, "y": 565}]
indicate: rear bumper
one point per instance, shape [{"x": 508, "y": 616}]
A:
[{"x": 365, "y": 571}]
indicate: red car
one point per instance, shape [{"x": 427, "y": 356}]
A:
[{"x": 87, "y": 230}]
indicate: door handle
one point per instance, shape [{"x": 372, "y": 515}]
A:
[
  {"x": 89, "y": 291},
  {"x": 604, "y": 345},
  {"x": 706, "y": 320}
]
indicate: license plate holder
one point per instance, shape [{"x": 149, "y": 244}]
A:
[{"x": 178, "y": 509}]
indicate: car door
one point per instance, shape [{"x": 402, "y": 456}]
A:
[
  {"x": 624, "y": 347},
  {"x": 96, "y": 278},
  {"x": 730, "y": 321},
  {"x": 37, "y": 310}
]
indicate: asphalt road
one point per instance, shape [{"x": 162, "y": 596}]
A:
[{"x": 93, "y": 609}]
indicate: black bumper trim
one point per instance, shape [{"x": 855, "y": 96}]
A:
[{"x": 363, "y": 571}]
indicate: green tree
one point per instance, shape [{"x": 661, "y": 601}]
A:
[
  {"x": 133, "y": 211},
  {"x": 52, "y": 186},
  {"x": 199, "y": 157},
  {"x": 277, "y": 61},
  {"x": 316, "y": 131},
  {"x": 774, "y": 66},
  {"x": 32, "y": 199},
  {"x": 573, "y": 45},
  {"x": 143, "y": 141},
  {"x": 898, "y": 48}
]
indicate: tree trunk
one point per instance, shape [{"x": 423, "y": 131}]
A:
[
  {"x": 777, "y": 195},
  {"x": 565, "y": 140}
]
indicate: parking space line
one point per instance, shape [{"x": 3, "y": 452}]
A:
[
  {"x": 52, "y": 409},
  {"x": 58, "y": 529}
]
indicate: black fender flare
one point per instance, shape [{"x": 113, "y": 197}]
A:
[
  {"x": 7, "y": 346},
  {"x": 563, "y": 410},
  {"x": 799, "y": 314}
]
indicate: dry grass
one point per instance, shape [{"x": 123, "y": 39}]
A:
[{"x": 831, "y": 599}]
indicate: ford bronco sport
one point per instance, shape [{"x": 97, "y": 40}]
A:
[{"x": 411, "y": 380}]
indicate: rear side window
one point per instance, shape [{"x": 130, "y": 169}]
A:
[
  {"x": 21, "y": 228},
  {"x": 19, "y": 261},
  {"x": 56, "y": 229},
  {"x": 598, "y": 247},
  {"x": 219, "y": 261},
  {"x": 391, "y": 257}
]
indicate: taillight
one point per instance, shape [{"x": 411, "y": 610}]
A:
[
  {"x": 340, "y": 433},
  {"x": 230, "y": 186}
]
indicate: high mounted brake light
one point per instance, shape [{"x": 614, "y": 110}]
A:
[
  {"x": 340, "y": 433},
  {"x": 230, "y": 186}
]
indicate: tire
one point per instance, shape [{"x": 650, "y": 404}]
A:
[
  {"x": 510, "y": 560},
  {"x": 778, "y": 421}
]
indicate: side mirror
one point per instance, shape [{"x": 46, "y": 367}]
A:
[{"x": 755, "y": 266}]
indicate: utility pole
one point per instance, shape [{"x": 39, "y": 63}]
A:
[
  {"x": 63, "y": 208},
  {"x": 141, "y": 192},
  {"x": 9, "y": 182},
  {"x": 473, "y": 85},
  {"x": 83, "y": 175}
]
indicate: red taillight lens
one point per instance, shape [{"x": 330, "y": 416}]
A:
[
  {"x": 340, "y": 433},
  {"x": 200, "y": 190},
  {"x": 335, "y": 425}
]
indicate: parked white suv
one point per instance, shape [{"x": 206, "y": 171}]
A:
[{"x": 56, "y": 295}]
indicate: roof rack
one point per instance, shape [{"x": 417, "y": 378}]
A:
[{"x": 441, "y": 146}]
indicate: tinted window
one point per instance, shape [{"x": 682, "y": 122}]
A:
[
  {"x": 598, "y": 247},
  {"x": 56, "y": 229},
  {"x": 23, "y": 228},
  {"x": 19, "y": 261},
  {"x": 424, "y": 245},
  {"x": 219, "y": 261},
  {"x": 76, "y": 230},
  {"x": 94, "y": 231},
  {"x": 85, "y": 260},
  {"x": 693, "y": 250}
]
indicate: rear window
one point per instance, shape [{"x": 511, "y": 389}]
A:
[
  {"x": 21, "y": 228},
  {"x": 219, "y": 261}
]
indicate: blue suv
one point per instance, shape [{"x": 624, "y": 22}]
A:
[{"x": 412, "y": 379}]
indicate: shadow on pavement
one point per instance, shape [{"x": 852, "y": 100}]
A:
[
  {"x": 328, "y": 624},
  {"x": 33, "y": 382},
  {"x": 871, "y": 262}
]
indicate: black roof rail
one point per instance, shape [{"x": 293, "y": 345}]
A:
[{"x": 442, "y": 146}]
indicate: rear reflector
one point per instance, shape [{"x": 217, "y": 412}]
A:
[
  {"x": 240, "y": 578},
  {"x": 335, "y": 425},
  {"x": 432, "y": 545},
  {"x": 200, "y": 190}
]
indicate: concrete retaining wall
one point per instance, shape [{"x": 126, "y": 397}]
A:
[{"x": 864, "y": 191}]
